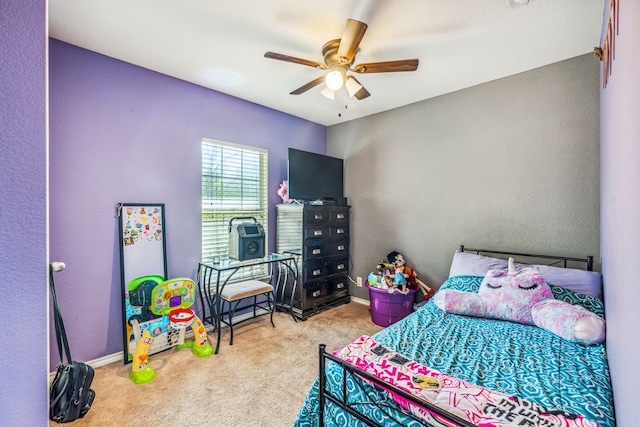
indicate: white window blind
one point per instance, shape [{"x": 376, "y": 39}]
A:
[{"x": 234, "y": 184}]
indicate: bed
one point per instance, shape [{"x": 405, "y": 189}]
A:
[{"x": 526, "y": 364}]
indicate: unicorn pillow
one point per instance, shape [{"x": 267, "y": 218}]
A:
[{"x": 524, "y": 297}]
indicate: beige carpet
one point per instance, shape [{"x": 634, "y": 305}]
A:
[{"x": 259, "y": 381}]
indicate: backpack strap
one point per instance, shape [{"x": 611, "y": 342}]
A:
[{"x": 61, "y": 335}]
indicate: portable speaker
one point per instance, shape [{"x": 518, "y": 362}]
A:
[{"x": 246, "y": 239}]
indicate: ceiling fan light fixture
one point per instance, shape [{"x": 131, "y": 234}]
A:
[
  {"x": 329, "y": 93},
  {"x": 334, "y": 80},
  {"x": 352, "y": 86},
  {"x": 517, "y": 3},
  {"x": 224, "y": 77}
]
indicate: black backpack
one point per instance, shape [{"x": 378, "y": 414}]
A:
[{"x": 70, "y": 394}]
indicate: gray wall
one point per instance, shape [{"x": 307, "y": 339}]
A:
[{"x": 511, "y": 164}]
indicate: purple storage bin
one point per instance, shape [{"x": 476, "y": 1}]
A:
[{"x": 386, "y": 308}]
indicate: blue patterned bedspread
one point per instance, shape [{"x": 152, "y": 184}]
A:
[{"x": 515, "y": 359}]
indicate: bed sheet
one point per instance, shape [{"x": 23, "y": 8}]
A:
[{"x": 515, "y": 359}]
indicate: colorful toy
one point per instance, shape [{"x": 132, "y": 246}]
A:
[
  {"x": 524, "y": 297},
  {"x": 382, "y": 277},
  {"x": 164, "y": 307},
  {"x": 395, "y": 276},
  {"x": 401, "y": 271},
  {"x": 138, "y": 306},
  {"x": 388, "y": 277}
]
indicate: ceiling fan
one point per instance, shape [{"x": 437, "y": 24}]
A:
[{"x": 339, "y": 55}]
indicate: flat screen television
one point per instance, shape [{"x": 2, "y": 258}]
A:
[{"x": 314, "y": 176}]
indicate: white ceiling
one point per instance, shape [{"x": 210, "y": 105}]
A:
[{"x": 460, "y": 43}]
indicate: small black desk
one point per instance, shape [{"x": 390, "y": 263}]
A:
[{"x": 283, "y": 270}]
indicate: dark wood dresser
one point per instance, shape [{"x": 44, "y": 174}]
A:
[{"x": 319, "y": 236}]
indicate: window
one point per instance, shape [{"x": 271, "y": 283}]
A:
[{"x": 234, "y": 183}]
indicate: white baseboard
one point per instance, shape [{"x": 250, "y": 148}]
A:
[
  {"x": 360, "y": 300},
  {"x": 105, "y": 360}
]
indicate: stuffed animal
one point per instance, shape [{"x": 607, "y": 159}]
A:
[
  {"x": 524, "y": 297},
  {"x": 283, "y": 192},
  {"x": 410, "y": 276}
]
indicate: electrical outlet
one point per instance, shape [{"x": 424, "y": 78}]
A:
[{"x": 359, "y": 281}]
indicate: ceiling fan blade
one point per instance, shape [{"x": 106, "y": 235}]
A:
[
  {"x": 304, "y": 88},
  {"x": 287, "y": 58},
  {"x": 387, "y": 67},
  {"x": 350, "y": 40}
]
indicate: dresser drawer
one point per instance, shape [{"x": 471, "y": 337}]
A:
[
  {"x": 314, "y": 269},
  {"x": 315, "y": 216},
  {"x": 323, "y": 250},
  {"x": 341, "y": 232},
  {"x": 314, "y": 252},
  {"x": 336, "y": 248},
  {"x": 321, "y": 233},
  {"x": 340, "y": 285},
  {"x": 317, "y": 251},
  {"x": 325, "y": 291},
  {"x": 336, "y": 265},
  {"x": 339, "y": 216},
  {"x": 318, "y": 290}
]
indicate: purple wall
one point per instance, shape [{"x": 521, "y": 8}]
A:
[
  {"x": 23, "y": 213},
  {"x": 121, "y": 133},
  {"x": 620, "y": 204}
]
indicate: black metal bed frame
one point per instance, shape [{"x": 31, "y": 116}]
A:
[
  {"x": 564, "y": 259},
  {"x": 350, "y": 371},
  {"x": 342, "y": 400}
]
